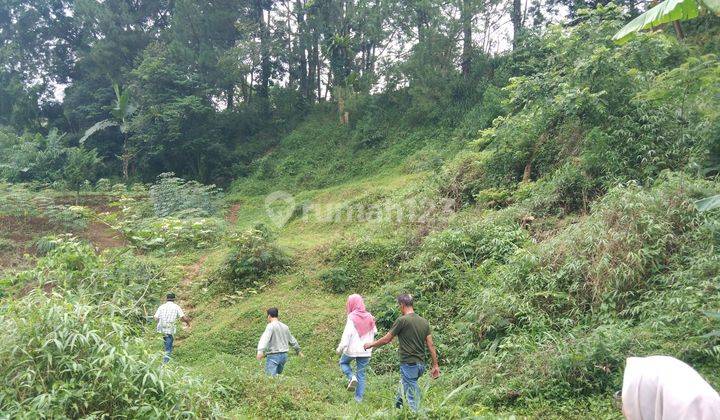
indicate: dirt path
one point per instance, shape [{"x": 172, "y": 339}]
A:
[
  {"x": 232, "y": 216},
  {"x": 194, "y": 271}
]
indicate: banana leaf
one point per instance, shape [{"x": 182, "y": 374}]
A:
[
  {"x": 708, "y": 203},
  {"x": 101, "y": 125},
  {"x": 665, "y": 12},
  {"x": 713, "y": 5}
]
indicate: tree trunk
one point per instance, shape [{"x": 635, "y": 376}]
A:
[
  {"x": 230, "y": 93},
  {"x": 341, "y": 108},
  {"x": 678, "y": 30},
  {"x": 125, "y": 166},
  {"x": 263, "y": 88},
  {"x": 422, "y": 22},
  {"x": 126, "y": 157},
  {"x": 302, "y": 49},
  {"x": 527, "y": 172},
  {"x": 318, "y": 68},
  {"x": 466, "y": 18},
  {"x": 516, "y": 19}
]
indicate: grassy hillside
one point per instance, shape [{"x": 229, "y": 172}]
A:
[{"x": 547, "y": 232}]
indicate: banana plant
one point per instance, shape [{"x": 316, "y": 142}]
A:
[
  {"x": 121, "y": 113},
  {"x": 708, "y": 203},
  {"x": 665, "y": 12}
]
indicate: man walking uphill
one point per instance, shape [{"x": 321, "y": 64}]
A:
[
  {"x": 413, "y": 333},
  {"x": 166, "y": 316},
  {"x": 275, "y": 343}
]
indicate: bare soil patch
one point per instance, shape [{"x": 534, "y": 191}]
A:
[
  {"x": 103, "y": 236},
  {"x": 232, "y": 216}
]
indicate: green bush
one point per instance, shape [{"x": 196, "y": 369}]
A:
[
  {"x": 103, "y": 185},
  {"x": 171, "y": 195},
  {"x": 253, "y": 257},
  {"x": 462, "y": 178},
  {"x": 19, "y": 201},
  {"x": 554, "y": 366},
  {"x": 61, "y": 357},
  {"x": 423, "y": 160},
  {"x": 71, "y": 265},
  {"x": 337, "y": 280},
  {"x": 169, "y": 234},
  {"x": 617, "y": 251},
  {"x": 493, "y": 197},
  {"x": 444, "y": 254},
  {"x": 362, "y": 265}
]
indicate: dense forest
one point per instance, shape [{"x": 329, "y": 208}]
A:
[
  {"x": 202, "y": 88},
  {"x": 542, "y": 176}
]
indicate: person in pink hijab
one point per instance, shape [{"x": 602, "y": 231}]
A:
[{"x": 359, "y": 329}]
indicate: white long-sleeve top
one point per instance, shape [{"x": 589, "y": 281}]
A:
[
  {"x": 665, "y": 388},
  {"x": 351, "y": 344}
]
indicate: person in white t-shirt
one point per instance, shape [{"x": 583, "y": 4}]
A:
[
  {"x": 359, "y": 329},
  {"x": 166, "y": 316}
]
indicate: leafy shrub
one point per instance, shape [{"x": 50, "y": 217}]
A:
[
  {"x": 554, "y": 367},
  {"x": 337, "y": 280},
  {"x": 462, "y": 178},
  {"x": 171, "y": 195},
  {"x": 18, "y": 201},
  {"x": 72, "y": 265},
  {"x": 362, "y": 265},
  {"x": 444, "y": 253},
  {"x": 493, "y": 197},
  {"x": 612, "y": 256},
  {"x": 253, "y": 257},
  {"x": 103, "y": 185},
  {"x": 482, "y": 114},
  {"x": 67, "y": 254},
  {"x": 74, "y": 218},
  {"x": 423, "y": 160},
  {"x": 173, "y": 233},
  {"x": 62, "y": 357}
]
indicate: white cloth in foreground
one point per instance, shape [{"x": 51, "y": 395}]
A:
[{"x": 664, "y": 388}]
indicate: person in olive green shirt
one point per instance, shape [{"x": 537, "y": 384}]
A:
[{"x": 413, "y": 333}]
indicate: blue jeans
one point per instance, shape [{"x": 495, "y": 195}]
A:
[
  {"x": 409, "y": 390},
  {"x": 360, "y": 364},
  {"x": 169, "y": 339},
  {"x": 275, "y": 363}
]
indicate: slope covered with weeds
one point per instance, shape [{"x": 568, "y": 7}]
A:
[{"x": 548, "y": 232}]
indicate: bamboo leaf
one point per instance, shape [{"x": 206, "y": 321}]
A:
[{"x": 664, "y": 12}]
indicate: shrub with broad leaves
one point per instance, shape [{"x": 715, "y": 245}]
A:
[{"x": 253, "y": 257}]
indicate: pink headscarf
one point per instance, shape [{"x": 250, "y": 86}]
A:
[{"x": 363, "y": 320}]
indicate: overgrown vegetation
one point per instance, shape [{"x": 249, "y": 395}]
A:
[
  {"x": 64, "y": 357},
  {"x": 253, "y": 257},
  {"x": 540, "y": 204}
]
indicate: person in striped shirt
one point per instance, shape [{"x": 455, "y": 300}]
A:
[{"x": 166, "y": 316}]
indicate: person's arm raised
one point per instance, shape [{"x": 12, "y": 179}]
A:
[
  {"x": 381, "y": 342},
  {"x": 435, "y": 371}
]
